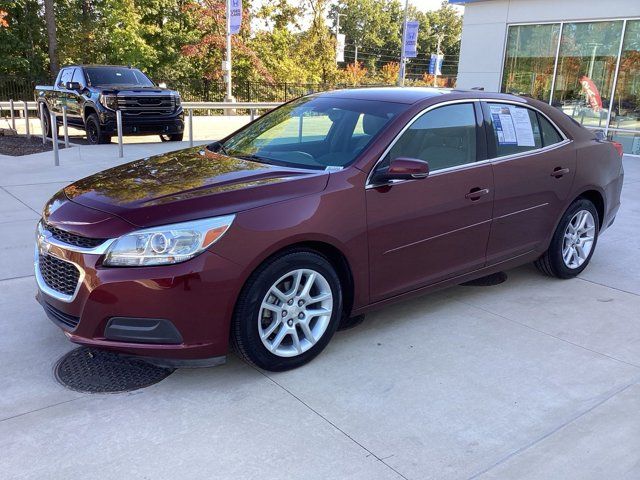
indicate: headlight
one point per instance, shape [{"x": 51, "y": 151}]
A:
[
  {"x": 109, "y": 101},
  {"x": 177, "y": 100},
  {"x": 167, "y": 244}
]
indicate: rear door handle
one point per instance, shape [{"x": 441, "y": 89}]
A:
[
  {"x": 559, "y": 172},
  {"x": 475, "y": 193}
]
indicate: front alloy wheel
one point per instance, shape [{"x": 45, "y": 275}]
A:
[
  {"x": 288, "y": 311},
  {"x": 295, "y": 312}
]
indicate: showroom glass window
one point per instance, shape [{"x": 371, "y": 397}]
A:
[
  {"x": 530, "y": 59},
  {"x": 626, "y": 105},
  {"x": 586, "y": 69}
]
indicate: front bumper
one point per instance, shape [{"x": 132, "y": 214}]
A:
[
  {"x": 143, "y": 124},
  {"x": 177, "y": 312}
]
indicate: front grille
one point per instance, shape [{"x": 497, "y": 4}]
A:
[
  {"x": 147, "y": 105},
  {"x": 72, "y": 238},
  {"x": 59, "y": 275},
  {"x": 63, "y": 319}
]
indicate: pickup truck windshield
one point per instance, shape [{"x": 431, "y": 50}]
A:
[
  {"x": 99, "y": 76},
  {"x": 313, "y": 132}
]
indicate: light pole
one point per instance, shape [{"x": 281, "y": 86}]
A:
[
  {"x": 403, "y": 59},
  {"x": 227, "y": 63},
  {"x": 338, "y": 15}
]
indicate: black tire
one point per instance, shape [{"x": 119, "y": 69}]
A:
[
  {"x": 551, "y": 262},
  {"x": 245, "y": 335},
  {"x": 174, "y": 137},
  {"x": 95, "y": 135},
  {"x": 46, "y": 119}
]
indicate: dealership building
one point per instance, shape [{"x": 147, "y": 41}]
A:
[{"x": 582, "y": 56}]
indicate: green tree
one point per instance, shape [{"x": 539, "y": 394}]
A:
[
  {"x": 445, "y": 25},
  {"x": 23, "y": 41},
  {"x": 317, "y": 46},
  {"x": 374, "y": 26}
]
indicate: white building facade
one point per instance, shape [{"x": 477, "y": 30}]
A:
[{"x": 582, "y": 56}]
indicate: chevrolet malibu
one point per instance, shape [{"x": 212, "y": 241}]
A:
[{"x": 328, "y": 207}]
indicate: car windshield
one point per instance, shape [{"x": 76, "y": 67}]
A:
[
  {"x": 313, "y": 132},
  {"x": 117, "y": 76}
]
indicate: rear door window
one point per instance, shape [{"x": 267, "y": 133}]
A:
[
  {"x": 515, "y": 129},
  {"x": 550, "y": 135},
  {"x": 78, "y": 76},
  {"x": 65, "y": 76}
]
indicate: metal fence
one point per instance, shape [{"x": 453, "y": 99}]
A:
[
  {"x": 191, "y": 89},
  {"x": 199, "y": 89},
  {"x": 18, "y": 88}
]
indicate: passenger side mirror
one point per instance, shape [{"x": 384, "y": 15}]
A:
[
  {"x": 73, "y": 86},
  {"x": 403, "y": 168}
]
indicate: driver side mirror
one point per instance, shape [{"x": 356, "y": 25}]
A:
[
  {"x": 73, "y": 86},
  {"x": 403, "y": 168}
]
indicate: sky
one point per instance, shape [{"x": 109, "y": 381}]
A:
[{"x": 425, "y": 5}]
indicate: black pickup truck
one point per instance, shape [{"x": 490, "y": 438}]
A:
[{"x": 93, "y": 93}]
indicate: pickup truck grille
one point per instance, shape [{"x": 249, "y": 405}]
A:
[{"x": 147, "y": 105}]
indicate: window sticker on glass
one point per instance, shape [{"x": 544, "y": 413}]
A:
[
  {"x": 524, "y": 129},
  {"x": 512, "y": 125},
  {"x": 503, "y": 125}
]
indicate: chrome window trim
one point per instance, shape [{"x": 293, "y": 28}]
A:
[{"x": 565, "y": 141}]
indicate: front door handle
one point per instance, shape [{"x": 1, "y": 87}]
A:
[
  {"x": 559, "y": 172},
  {"x": 475, "y": 193}
]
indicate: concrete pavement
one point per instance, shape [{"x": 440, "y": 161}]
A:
[{"x": 532, "y": 379}]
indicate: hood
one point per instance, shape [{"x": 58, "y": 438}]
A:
[
  {"x": 135, "y": 89},
  {"x": 190, "y": 184}
]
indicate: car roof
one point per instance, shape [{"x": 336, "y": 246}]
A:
[
  {"x": 410, "y": 95},
  {"x": 387, "y": 94}
]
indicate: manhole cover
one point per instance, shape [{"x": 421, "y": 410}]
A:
[
  {"x": 488, "y": 281},
  {"x": 99, "y": 371}
]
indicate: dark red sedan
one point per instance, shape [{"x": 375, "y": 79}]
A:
[{"x": 325, "y": 208}]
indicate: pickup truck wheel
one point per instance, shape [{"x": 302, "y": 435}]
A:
[
  {"x": 47, "y": 123},
  {"x": 174, "y": 137},
  {"x": 95, "y": 135}
]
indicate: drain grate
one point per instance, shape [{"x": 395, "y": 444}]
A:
[
  {"x": 488, "y": 281},
  {"x": 99, "y": 371}
]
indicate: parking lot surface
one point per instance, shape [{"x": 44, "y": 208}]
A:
[{"x": 534, "y": 378}]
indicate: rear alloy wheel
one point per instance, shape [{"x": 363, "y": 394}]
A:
[
  {"x": 288, "y": 311},
  {"x": 579, "y": 238},
  {"x": 573, "y": 242}
]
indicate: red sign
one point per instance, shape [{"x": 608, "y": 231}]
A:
[{"x": 591, "y": 92}]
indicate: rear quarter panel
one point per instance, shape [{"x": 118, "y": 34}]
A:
[{"x": 599, "y": 168}]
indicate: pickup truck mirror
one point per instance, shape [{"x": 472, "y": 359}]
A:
[
  {"x": 73, "y": 86},
  {"x": 162, "y": 85}
]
